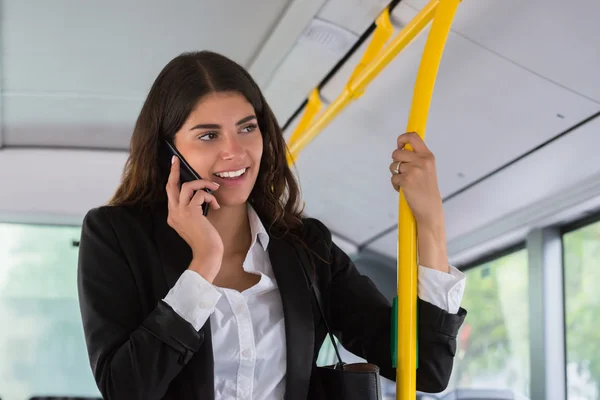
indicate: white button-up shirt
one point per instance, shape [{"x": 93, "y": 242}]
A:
[{"x": 248, "y": 331}]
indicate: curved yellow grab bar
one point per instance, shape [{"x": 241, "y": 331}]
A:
[
  {"x": 383, "y": 33},
  {"x": 361, "y": 80},
  {"x": 313, "y": 107},
  {"x": 407, "y": 233}
]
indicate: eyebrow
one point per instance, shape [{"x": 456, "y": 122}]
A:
[{"x": 217, "y": 126}]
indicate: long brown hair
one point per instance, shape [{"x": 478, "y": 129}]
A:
[{"x": 173, "y": 96}]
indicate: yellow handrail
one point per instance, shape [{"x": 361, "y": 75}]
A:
[
  {"x": 313, "y": 106},
  {"x": 358, "y": 83},
  {"x": 383, "y": 33},
  {"x": 407, "y": 233}
]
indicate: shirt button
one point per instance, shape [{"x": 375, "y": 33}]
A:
[
  {"x": 203, "y": 305},
  {"x": 246, "y": 353}
]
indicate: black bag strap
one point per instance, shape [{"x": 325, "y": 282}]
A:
[{"x": 302, "y": 255}]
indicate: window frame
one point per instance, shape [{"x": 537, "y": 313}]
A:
[{"x": 590, "y": 218}]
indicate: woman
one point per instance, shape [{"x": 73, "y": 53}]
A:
[{"x": 176, "y": 305}]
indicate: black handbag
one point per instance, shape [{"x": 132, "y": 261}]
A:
[{"x": 356, "y": 381}]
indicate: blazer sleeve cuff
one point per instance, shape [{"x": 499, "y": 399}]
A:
[
  {"x": 166, "y": 325},
  {"x": 434, "y": 318}
]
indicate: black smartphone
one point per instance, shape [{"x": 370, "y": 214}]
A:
[{"x": 186, "y": 172}]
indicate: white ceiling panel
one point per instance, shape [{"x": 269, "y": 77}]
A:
[
  {"x": 556, "y": 39},
  {"x": 78, "y": 121},
  {"x": 290, "y": 26},
  {"x": 354, "y": 15},
  {"x": 556, "y": 167},
  {"x": 485, "y": 112},
  {"x": 117, "y": 47},
  {"x": 559, "y": 182}
]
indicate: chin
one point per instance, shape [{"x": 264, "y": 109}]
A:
[
  {"x": 233, "y": 199},
  {"x": 234, "y": 194},
  {"x": 233, "y": 202}
]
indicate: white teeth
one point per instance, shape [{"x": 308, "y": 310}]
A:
[{"x": 231, "y": 174}]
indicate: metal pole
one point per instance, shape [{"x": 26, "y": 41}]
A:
[{"x": 407, "y": 232}]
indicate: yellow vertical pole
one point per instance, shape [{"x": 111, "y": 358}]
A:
[{"x": 407, "y": 232}]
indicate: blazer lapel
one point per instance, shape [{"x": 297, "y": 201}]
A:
[
  {"x": 175, "y": 254},
  {"x": 298, "y": 313}
]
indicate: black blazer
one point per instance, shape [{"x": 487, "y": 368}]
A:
[{"x": 139, "y": 348}]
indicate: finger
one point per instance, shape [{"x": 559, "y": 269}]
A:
[
  {"x": 414, "y": 140},
  {"x": 188, "y": 189},
  {"x": 398, "y": 169},
  {"x": 398, "y": 180},
  {"x": 202, "y": 197},
  {"x": 405, "y": 156},
  {"x": 406, "y": 174},
  {"x": 173, "y": 183}
]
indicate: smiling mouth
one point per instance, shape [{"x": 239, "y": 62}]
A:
[{"x": 232, "y": 175}]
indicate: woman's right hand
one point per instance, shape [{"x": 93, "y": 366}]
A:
[{"x": 186, "y": 217}]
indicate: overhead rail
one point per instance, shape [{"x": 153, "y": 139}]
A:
[{"x": 375, "y": 59}]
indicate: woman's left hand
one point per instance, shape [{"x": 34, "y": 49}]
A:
[{"x": 415, "y": 172}]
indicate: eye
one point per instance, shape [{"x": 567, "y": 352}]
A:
[
  {"x": 208, "y": 136},
  {"x": 249, "y": 128}
]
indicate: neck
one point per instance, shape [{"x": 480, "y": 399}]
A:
[{"x": 232, "y": 224}]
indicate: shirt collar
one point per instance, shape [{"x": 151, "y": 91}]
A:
[{"x": 257, "y": 229}]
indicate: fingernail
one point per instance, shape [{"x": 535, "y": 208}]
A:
[
  {"x": 217, "y": 184},
  {"x": 172, "y": 159}
]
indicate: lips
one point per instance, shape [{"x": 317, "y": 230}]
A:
[
  {"x": 231, "y": 174},
  {"x": 231, "y": 178}
]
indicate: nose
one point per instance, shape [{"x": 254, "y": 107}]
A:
[{"x": 232, "y": 148}]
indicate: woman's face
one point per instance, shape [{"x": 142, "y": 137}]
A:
[{"x": 222, "y": 142}]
